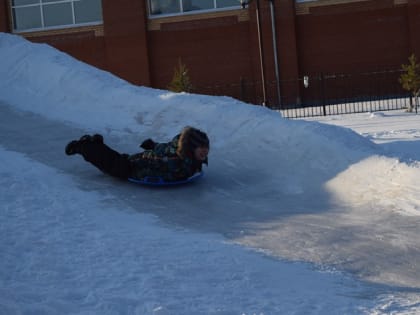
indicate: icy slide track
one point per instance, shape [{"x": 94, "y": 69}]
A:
[{"x": 297, "y": 190}]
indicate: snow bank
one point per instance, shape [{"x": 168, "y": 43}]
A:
[
  {"x": 300, "y": 190},
  {"x": 65, "y": 89},
  {"x": 380, "y": 182}
]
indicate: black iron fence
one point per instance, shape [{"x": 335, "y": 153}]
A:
[
  {"x": 349, "y": 107},
  {"x": 334, "y": 94},
  {"x": 322, "y": 94}
]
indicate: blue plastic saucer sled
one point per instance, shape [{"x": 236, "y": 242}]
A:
[{"x": 159, "y": 181}]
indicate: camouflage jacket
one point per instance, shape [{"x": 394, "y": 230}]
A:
[{"x": 163, "y": 162}]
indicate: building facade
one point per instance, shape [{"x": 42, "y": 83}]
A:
[{"x": 278, "y": 52}]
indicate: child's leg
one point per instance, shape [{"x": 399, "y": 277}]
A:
[{"x": 100, "y": 155}]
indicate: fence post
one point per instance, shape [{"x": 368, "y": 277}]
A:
[
  {"x": 410, "y": 107},
  {"x": 242, "y": 88},
  {"x": 322, "y": 79}
]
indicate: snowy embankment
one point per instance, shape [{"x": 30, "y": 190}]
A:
[{"x": 293, "y": 189}]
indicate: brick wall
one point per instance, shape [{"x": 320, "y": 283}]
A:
[
  {"x": 83, "y": 43},
  {"x": 352, "y": 37},
  {"x": 413, "y": 13},
  {"x": 4, "y": 17},
  {"x": 215, "y": 50},
  {"x": 126, "y": 39},
  {"x": 358, "y": 36},
  {"x": 288, "y": 62}
]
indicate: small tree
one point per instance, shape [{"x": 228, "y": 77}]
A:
[
  {"x": 181, "y": 81},
  {"x": 410, "y": 80}
]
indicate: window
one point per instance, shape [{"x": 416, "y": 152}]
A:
[
  {"x": 160, "y": 7},
  {"x": 44, "y": 14}
]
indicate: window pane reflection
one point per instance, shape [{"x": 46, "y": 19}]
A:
[
  {"x": 88, "y": 11},
  {"x": 58, "y": 14},
  {"x": 27, "y": 17}
]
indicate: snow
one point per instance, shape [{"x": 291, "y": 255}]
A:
[{"x": 315, "y": 216}]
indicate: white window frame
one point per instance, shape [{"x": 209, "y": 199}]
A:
[
  {"x": 41, "y": 5},
  {"x": 182, "y": 12}
]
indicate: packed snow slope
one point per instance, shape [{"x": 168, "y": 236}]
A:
[{"x": 295, "y": 189}]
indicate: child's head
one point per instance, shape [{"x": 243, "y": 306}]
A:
[{"x": 194, "y": 142}]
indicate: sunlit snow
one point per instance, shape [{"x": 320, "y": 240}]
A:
[{"x": 316, "y": 216}]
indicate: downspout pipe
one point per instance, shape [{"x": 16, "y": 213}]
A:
[
  {"x": 275, "y": 52},
  {"x": 261, "y": 50}
]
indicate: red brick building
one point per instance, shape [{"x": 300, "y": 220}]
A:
[{"x": 229, "y": 50}]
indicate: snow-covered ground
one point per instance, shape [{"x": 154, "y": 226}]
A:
[{"x": 292, "y": 216}]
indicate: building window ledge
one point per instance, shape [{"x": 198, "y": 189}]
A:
[
  {"x": 155, "y": 22},
  {"x": 96, "y": 29}
]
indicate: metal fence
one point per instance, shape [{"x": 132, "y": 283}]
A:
[
  {"x": 335, "y": 94},
  {"x": 323, "y": 94},
  {"x": 347, "y": 108}
]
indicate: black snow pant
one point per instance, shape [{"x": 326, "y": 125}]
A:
[{"x": 106, "y": 159}]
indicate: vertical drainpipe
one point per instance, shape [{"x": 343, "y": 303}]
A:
[
  {"x": 275, "y": 52},
  {"x": 7, "y": 26},
  {"x": 264, "y": 89}
]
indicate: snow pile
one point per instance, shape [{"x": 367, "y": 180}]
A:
[
  {"x": 297, "y": 190},
  {"x": 391, "y": 184},
  {"x": 104, "y": 103}
]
